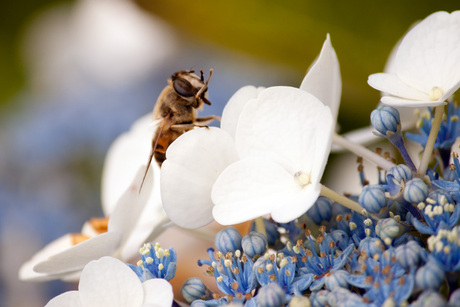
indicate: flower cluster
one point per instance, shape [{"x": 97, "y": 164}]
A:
[{"x": 396, "y": 243}]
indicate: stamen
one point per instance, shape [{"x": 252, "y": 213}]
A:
[{"x": 436, "y": 93}]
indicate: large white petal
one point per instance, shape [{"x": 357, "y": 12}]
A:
[
  {"x": 67, "y": 299},
  {"x": 283, "y": 124},
  {"x": 158, "y": 293},
  {"x": 193, "y": 162},
  {"x": 76, "y": 257},
  {"x": 110, "y": 282},
  {"x": 235, "y": 105},
  {"x": 124, "y": 157},
  {"x": 253, "y": 187},
  {"x": 323, "y": 78},
  {"x": 429, "y": 54},
  {"x": 392, "y": 85}
]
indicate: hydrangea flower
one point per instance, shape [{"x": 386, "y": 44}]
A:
[
  {"x": 427, "y": 64},
  {"x": 71, "y": 253},
  {"x": 110, "y": 282},
  {"x": 216, "y": 149},
  {"x": 135, "y": 217}
]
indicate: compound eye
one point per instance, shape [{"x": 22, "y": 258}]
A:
[{"x": 184, "y": 88}]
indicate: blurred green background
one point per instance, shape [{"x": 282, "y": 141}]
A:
[{"x": 285, "y": 32}]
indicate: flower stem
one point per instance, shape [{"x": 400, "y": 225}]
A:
[
  {"x": 362, "y": 152},
  {"x": 260, "y": 226},
  {"x": 436, "y": 123},
  {"x": 344, "y": 201}
]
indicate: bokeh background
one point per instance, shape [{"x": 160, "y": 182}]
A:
[{"x": 76, "y": 74}]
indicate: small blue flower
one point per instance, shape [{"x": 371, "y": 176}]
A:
[
  {"x": 445, "y": 249},
  {"x": 233, "y": 273},
  {"x": 439, "y": 213},
  {"x": 309, "y": 261},
  {"x": 155, "y": 262},
  {"x": 267, "y": 271}
]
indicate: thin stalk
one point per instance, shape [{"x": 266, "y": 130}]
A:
[
  {"x": 435, "y": 124},
  {"x": 344, "y": 201},
  {"x": 362, "y": 151}
]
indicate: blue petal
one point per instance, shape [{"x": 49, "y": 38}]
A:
[{"x": 422, "y": 228}]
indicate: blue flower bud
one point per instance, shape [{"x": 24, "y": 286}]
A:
[
  {"x": 373, "y": 198},
  {"x": 321, "y": 210},
  {"x": 254, "y": 244},
  {"x": 429, "y": 276},
  {"x": 409, "y": 255},
  {"x": 400, "y": 172},
  {"x": 415, "y": 191},
  {"x": 228, "y": 240},
  {"x": 336, "y": 279},
  {"x": 343, "y": 297},
  {"x": 272, "y": 231},
  {"x": 371, "y": 246},
  {"x": 385, "y": 119},
  {"x": 194, "y": 289},
  {"x": 387, "y": 230},
  {"x": 271, "y": 295},
  {"x": 319, "y": 298}
]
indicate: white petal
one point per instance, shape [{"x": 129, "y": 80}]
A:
[
  {"x": 392, "y": 85},
  {"x": 110, "y": 282},
  {"x": 253, "y": 187},
  {"x": 193, "y": 163},
  {"x": 131, "y": 204},
  {"x": 323, "y": 78},
  {"x": 124, "y": 157},
  {"x": 401, "y": 102},
  {"x": 26, "y": 271},
  {"x": 288, "y": 125},
  {"x": 68, "y": 299},
  {"x": 235, "y": 105},
  {"x": 76, "y": 257},
  {"x": 158, "y": 292},
  {"x": 429, "y": 54}
]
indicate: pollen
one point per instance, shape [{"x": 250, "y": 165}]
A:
[{"x": 302, "y": 178}]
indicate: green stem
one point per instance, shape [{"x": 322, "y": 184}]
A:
[
  {"x": 260, "y": 226},
  {"x": 428, "y": 151},
  {"x": 362, "y": 151}
]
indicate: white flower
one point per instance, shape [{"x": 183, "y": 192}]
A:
[
  {"x": 197, "y": 158},
  {"x": 283, "y": 139},
  {"x": 426, "y": 64},
  {"x": 110, "y": 282},
  {"x": 135, "y": 217}
]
